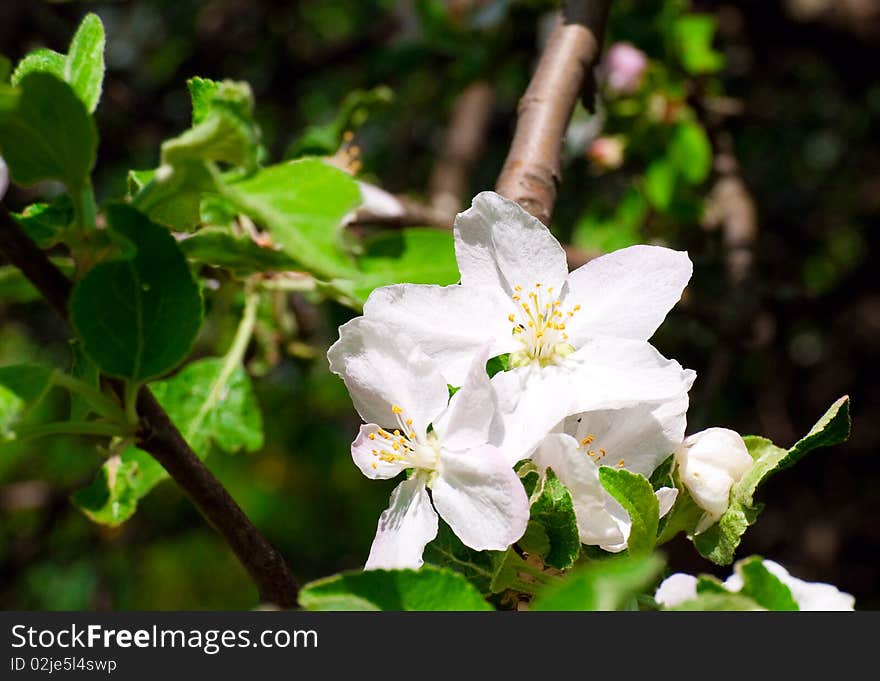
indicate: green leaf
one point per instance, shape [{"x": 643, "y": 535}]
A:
[
  {"x": 5, "y": 69},
  {"x": 718, "y": 601},
  {"x": 417, "y": 255},
  {"x": 173, "y": 196},
  {"x": 208, "y": 409},
  {"x": 17, "y": 288},
  {"x": 692, "y": 35},
  {"x": 138, "y": 317},
  {"x": 636, "y": 495},
  {"x": 608, "y": 226},
  {"x": 691, "y": 152},
  {"x": 302, "y": 205},
  {"x": 46, "y": 132},
  {"x": 429, "y": 588},
  {"x": 707, "y": 584},
  {"x": 84, "y": 65},
  {"x": 85, "y": 370},
  {"x": 553, "y": 524},
  {"x": 478, "y": 567},
  {"x": 110, "y": 499},
  {"x": 606, "y": 585},
  {"x": 41, "y": 60},
  {"x": 215, "y": 246},
  {"x": 45, "y": 223},
  {"x": 21, "y": 386},
  {"x": 719, "y": 542},
  {"x": 763, "y": 587},
  {"x": 660, "y": 183}
]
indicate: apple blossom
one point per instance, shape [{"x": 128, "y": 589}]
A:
[
  {"x": 680, "y": 587},
  {"x": 636, "y": 438},
  {"x": 624, "y": 67},
  {"x": 444, "y": 444},
  {"x": 710, "y": 463},
  {"x": 4, "y": 178},
  {"x": 576, "y": 342}
]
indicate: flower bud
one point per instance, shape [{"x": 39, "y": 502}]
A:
[
  {"x": 606, "y": 152},
  {"x": 625, "y": 66},
  {"x": 710, "y": 463}
]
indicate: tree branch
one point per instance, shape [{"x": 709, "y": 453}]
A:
[
  {"x": 160, "y": 437},
  {"x": 532, "y": 170}
]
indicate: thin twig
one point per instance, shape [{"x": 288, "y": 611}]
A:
[
  {"x": 160, "y": 437},
  {"x": 532, "y": 170}
]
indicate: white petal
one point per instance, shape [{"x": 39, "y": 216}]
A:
[
  {"x": 531, "y": 402},
  {"x": 676, "y": 589},
  {"x": 710, "y": 463},
  {"x": 4, "y": 178},
  {"x": 470, "y": 420},
  {"x": 618, "y": 372},
  {"x": 371, "y": 465},
  {"x": 499, "y": 245},
  {"x": 574, "y": 468},
  {"x": 642, "y": 437},
  {"x": 666, "y": 497},
  {"x": 449, "y": 323},
  {"x": 481, "y": 497},
  {"x": 626, "y": 293},
  {"x": 382, "y": 370},
  {"x": 404, "y": 529},
  {"x": 808, "y": 595}
]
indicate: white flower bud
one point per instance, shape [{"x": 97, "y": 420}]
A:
[
  {"x": 625, "y": 66},
  {"x": 710, "y": 463},
  {"x": 4, "y": 178}
]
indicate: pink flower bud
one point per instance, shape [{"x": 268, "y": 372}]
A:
[
  {"x": 624, "y": 67},
  {"x": 606, "y": 152}
]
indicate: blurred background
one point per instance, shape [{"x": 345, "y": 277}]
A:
[{"x": 745, "y": 133}]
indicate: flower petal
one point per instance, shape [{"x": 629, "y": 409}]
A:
[
  {"x": 499, "y": 245},
  {"x": 610, "y": 373},
  {"x": 808, "y": 595},
  {"x": 532, "y": 401},
  {"x": 627, "y": 293},
  {"x": 382, "y": 370},
  {"x": 676, "y": 589},
  {"x": 597, "y": 526},
  {"x": 642, "y": 437},
  {"x": 470, "y": 420},
  {"x": 366, "y": 453},
  {"x": 404, "y": 529},
  {"x": 481, "y": 498},
  {"x": 448, "y": 323}
]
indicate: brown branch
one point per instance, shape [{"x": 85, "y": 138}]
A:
[
  {"x": 159, "y": 436},
  {"x": 462, "y": 145},
  {"x": 532, "y": 170}
]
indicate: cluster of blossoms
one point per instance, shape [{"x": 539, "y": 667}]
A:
[{"x": 582, "y": 388}]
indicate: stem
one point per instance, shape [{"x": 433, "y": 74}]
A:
[
  {"x": 70, "y": 428},
  {"x": 532, "y": 170},
  {"x": 232, "y": 360},
  {"x": 158, "y": 436},
  {"x": 97, "y": 399},
  {"x": 84, "y": 212},
  {"x": 130, "y": 400}
]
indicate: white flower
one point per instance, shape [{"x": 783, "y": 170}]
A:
[
  {"x": 624, "y": 66},
  {"x": 577, "y": 342},
  {"x": 710, "y": 463},
  {"x": 412, "y": 425},
  {"x": 680, "y": 588},
  {"x": 637, "y": 438}
]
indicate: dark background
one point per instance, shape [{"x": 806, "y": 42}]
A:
[{"x": 772, "y": 349}]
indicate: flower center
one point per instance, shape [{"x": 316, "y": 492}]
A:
[
  {"x": 403, "y": 444},
  {"x": 539, "y": 326}
]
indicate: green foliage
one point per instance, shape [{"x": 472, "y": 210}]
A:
[
  {"x": 691, "y": 152},
  {"x": 21, "y": 386},
  {"x": 693, "y": 34},
  {"x": 46, "y": 133},
  {"x": 416, "y": 255},
  {"x": 607, "y": 585},
  {"x": 763, "y": 587},
  {"x": 137, "y": 316},
  {"x": 111, "y": 498},
  {"x": 719, "y": 542},
  {"x": 636, "y": 495},
  {"x": 552, "y": 531},
  {"x": 429, "y": 588},
  {"x": 611, "y": 225},
  {"x": 239, "y": 254},
  {"x": 302, "y": 204},
  {"x": 82, "y": 67},
  {"x": 480, "y": 568},
  {"x": 718, "y": 602},
  {"x": 45, "y": 223}
]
